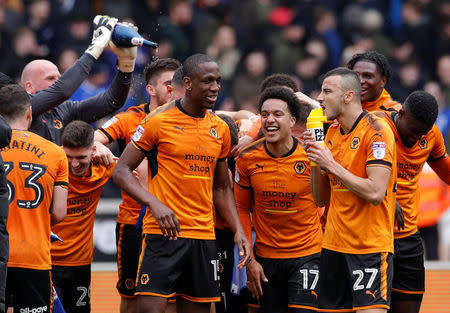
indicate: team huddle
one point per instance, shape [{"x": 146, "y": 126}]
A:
[{"x": 329, "y": 228}]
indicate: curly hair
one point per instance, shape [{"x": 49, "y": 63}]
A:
[
  {"x": 298, "y": 109},
  {"x": 376, "y": 58}
]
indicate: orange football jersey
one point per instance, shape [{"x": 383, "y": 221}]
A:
[
  {"x": 182, "y": 151},
  {"x": 410, "y": 162},
  {"x": 121, "y": 127},
  {"x": 77, "y": 228},
  {"x": 383, "y": 103},
  {"x": 34, "y": 166},
  {"x": 354, "y": 225},
  {"x": 285, "y": 215}
]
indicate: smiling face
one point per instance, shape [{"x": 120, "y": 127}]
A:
[
  {"x": 276, "y": 120},
  {"x": 372, "y": 82},
  {"x": 331, "y": 97},
  {"x": 79, "y": 159},
  {"x": 204, "y": 85}
]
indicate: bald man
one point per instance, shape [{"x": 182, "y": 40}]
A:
[{"x": 49, "y": 90}]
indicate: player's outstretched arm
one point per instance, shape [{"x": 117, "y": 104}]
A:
[
  {"x": 69, "y": 82},
  {"x": 94, "y": 108},
  {"x": 59, "y": 204},
  {"x": 225, "y": 204},
  {"x": 123, "y": 176},
  {"x": 236, "y": 115},
  {"x": 442, "y": 168}
]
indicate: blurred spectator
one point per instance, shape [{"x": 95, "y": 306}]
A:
[
  {"x": 443, "y": 73},
  {"x": 285, "y": 39},
  {"x": 307, "y": 70},
  {"x": 95, "y": 83},
  {"x": 402, "y": 51},
  {"x": 177, "y": 29},
  {"x": 38, "y": 20},
  {"x": 418, "y": 29},
  {"x": 146, "y": 13},
  {"x": 10, "y": 19},
  {"x": 317, "y": 47},
  {"x": 246, "y": 85},
  {"x": 407, "y": 81},
  {"x": 78, "y": 34},
  {"x": 224, "y": 51},
  {"x": 326, "y": 26},
  {"x": 24, "y": 50},
  {"x": 66, "y": 59},
  {"x": 372, "y": 26},
  {"x": 443, "y": 120}
]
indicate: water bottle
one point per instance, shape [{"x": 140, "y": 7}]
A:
[
  {"x": 125, "y": 36},
  {"x": 314, "y": 123}
]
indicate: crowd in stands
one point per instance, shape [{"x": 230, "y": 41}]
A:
[{"x": 249, "y": 39}]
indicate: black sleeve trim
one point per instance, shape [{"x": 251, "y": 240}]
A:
[
  {"x": 106, "y": 134},
  {"x": 221, "y": 159},
  {"x": 61, "y": 183},
  {"x": 244, "y": 187},
  {"x": 140, "y": 148},
  {"x": 430, "y": 159},
  {"x": 379, "y": 162}
]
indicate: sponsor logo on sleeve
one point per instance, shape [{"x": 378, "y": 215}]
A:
[
  {"x": 110, "y": 122},
  {"x": 138, "y": 133},
  {"x": 379, "y": 149}
]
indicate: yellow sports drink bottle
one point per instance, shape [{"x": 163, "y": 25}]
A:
[{"x": 314, "y": 123}]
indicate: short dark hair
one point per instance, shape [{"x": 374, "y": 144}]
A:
[
  {"x": 177, "y": 78},
  {"x": 157, "y": 66},
  {"x": 14, "y": 101},
  {"x": 5, "y": 80},
  {"x": 234, "y": 130},
  {"x": 298, "y": 109},
  {"x": 190, "y": 65},
  {"x": 422, "y": 106},
  {"x": 279, "y": 79},
  {"x": 376, "y": 58},
  {"x": 77, "y": 134},
  {"x": 350, "y": 79}
]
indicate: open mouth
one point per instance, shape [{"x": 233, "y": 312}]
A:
[
  {"x": 212, "y": 98},
  {"x": 271, "y": 130}
]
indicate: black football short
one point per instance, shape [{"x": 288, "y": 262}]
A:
[
  {"x": 409, "y": 269},
  {"x": 291, "y": 286},
  {"x": 185, "y": 267},
  {"x": 128, "y": 241},
  {"x": 29, "y": 290},
  {"x": 73, "y": 286},
  {"x": 354, "y": 281}
]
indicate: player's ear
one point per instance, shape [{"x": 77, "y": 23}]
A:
[
  {"x": 292, "y": 121},
  {"x": 187, "y": 83},
  {"x": 383, "y": 82},
  {"x": 150, "y": 90},
  {"x": 169, "y": 89},
  {"x": 29, "y": 112}
]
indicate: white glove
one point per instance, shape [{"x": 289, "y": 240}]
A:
[
  {"x": 103, "y": 28},
  {"x": 126, "y": 55}
]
